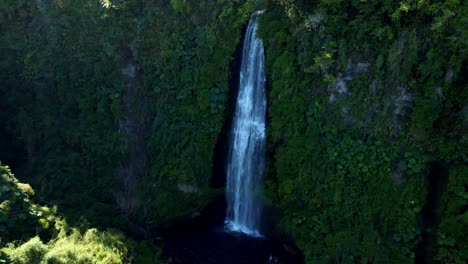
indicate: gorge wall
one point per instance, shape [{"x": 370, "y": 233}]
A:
[{"x": 115, "y": 108}]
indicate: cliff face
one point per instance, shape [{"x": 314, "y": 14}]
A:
[
  {"x": 119, "y": 104},
  {"x": 184, "y": 51},
  {"x": 360, "y": 100},
  {"x": 117, "y": 107}
]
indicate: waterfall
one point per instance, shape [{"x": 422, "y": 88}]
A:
[{"x": 246, "y": 157}]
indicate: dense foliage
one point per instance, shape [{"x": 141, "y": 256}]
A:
[
  {"x": 365, "y": 96},
  {"x": 451, "y": 236},
  {"x": 19, "y": 217},
  {"x": 106, "y": 96},
  {"x": 111, "y": 110},
  {"x": 24, "y": 226},
  {"x": 186, "y": 75}
]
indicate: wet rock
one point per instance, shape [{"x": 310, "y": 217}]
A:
[
  {"x": 291, "y": 250},
  {"x": 357, "y": 68},
  {"x": 397, "y": 177},
  {"x": 449, "y": 76},
  {"x": 273, "y": 259},
  {"x": 187, "y": 188},
  {"x": 130, "y": 71}
]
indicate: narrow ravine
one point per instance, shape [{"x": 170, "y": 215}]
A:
[
  {"x": 431, "y": 212},
  {"x": 204, "y": 239}
]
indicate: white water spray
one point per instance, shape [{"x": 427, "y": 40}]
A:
[{"x": 246, "y": 160}]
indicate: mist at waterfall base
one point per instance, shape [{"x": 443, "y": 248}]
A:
[{"x": 228, "y": 230}]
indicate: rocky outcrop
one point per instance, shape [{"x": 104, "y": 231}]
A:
[{"x": 134, "y": 166}]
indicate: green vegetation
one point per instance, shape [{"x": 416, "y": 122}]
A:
[
  {"x": 19, "y": 217},
  {"x": 186, "y": 65},
  {"x": 451, "y": 234},
  {"x": 360, "y": 101},
  {"x": 111, "y": 111},
  {"x": 92, "y": 247},
  {"x": 140, "y": 101},
  {"x": 25, "y": 225}
]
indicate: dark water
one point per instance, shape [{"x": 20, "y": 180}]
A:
[
  {"x": 203, "y": 240},
  {"x": 214, "y": 246}
]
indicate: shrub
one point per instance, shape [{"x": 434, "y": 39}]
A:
[
  {"x": 92, "y": 247},
  {"x": 31, "y": 252},
  {"x": 19, "y": 217}
]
